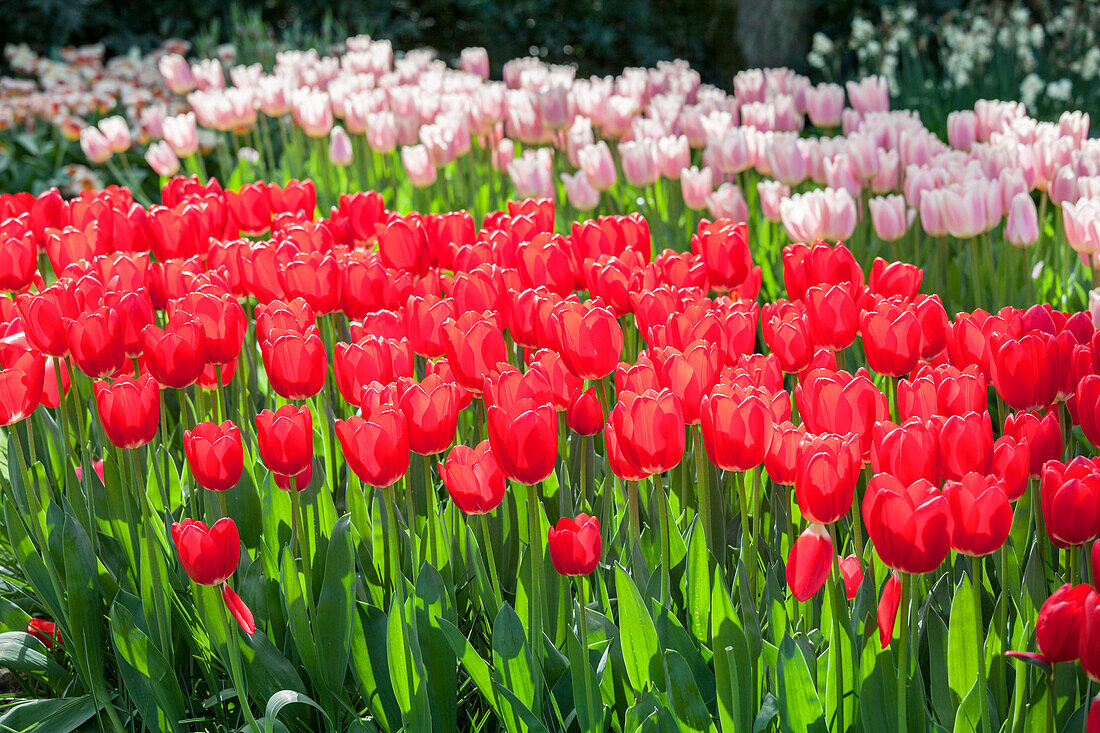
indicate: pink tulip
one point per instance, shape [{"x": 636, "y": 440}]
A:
[
  {"x": 418, "y": 166},
  {"x": 1022, "y": 225},
  {"x": 578, "y": 136},
  {"x": 182, "y": 134},
  {"x": 964, "y": 210},
  {"x": 772, "y": 194},
  {"x": 382, "y": 132},
  {"x": 890, "y": 217},
  {"x": 1082, "y": 221},
  {"x": 339, "y": 147},
  {"x": 313, "y": 112},
  {"x": 117, "y": 132},
  {"x": 673, "y": 155},
  {"x": 580, "y": 194},
  {"x": 871, "y": 94},
  {"x": 639, "y": 162},
  {"x": 208, "y": 75},
  {"x": 824, "y": 104},
  {"x": 476, "y": 61},
  {"x": 696, "y": 186},
  {"x": 94, "y": 145},
  {"x": 727, "y": 203},
  {"x": 885, "y": 179},
  {"x": 162, "y": 159},
  {"x": 598, "y": 166},
  {"x": 786, "y": 159},
  {"x": 176, "y": 73},
  {"x": 732, "y": 151},
  {"x": 962, "y": 129}
]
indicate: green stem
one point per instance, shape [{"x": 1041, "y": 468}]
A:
[
  {"x": 979, "y": 640},
  {"x": 903, "y": 650},
  {"x": 702, "y": 478},
  {"x": 235, "y": 668},
  {"x": 837, "y": 593},
  {"x": 490, "y": 559}
]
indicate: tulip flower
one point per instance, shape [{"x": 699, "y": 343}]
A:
[
  {"x": 45, "y": 631},
  {"x": 1022, "y": 370},
  {"x": 852, "y": 573},
  {"x": 474, "y": 345},
  {"x": 473, "y": 478},
  {"x": 649, "y": 428},
  {"x": 95, "y": 342},
  {"x": 222, "y": 319},
  {"x": 209, "y": 555},
  {"x": 21, "y": 383},
  {"x": 285, "y": 439},
  {"x": 980, "y": 513},
  {"x": 832, "y": 316},
  {"x": 891, "y": 339},
  {"x": 431, "y": 410},
  {"x": 215, "y": 454},
  {"x": 965, "y": 445},
  {"x": 909, "y": 525},
  {"x": 825, "y": 481},
  {"x": 175, "y": 356},
  {"x": 1089, "y": 649},
  {"x": 887, "y": 611},
  {"x": 1041, "y": 434},
  {"x": 1070, "y": 498},
  {"x": 1088, "y": 407},
  {"x": 590, "y": 337},
  {"x": 585, "y": 415},
  {"x": 574, "y": 545},
  {"x": 810, "y": 561},
  {"x": 1058, "y": 628},
  {"x": 129, "y": 410},
  {"x": 907, "y": 452},
  {"x": 45, "y": 317},
  {"x": 737, "y": 433},
  {"x": 18, "y": 262},
  {"x": 524, "y": 438},
  {"x": 377, "y": 446},
  {"x": 296, "y": 363}
]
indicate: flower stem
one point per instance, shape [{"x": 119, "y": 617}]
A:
[{"x": 979, "y": 637}]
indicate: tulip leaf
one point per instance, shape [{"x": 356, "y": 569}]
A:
[
  {"x": 638, "y": 634},
  {"x": 150, "y": 681},
  {"x": 699, "y": 584},
  {"x": 651, "y": 715},
  {"x": 407, "y": 667},
  {"x": 799, "y": 705},
  {"x": 369, "y": 664},
  {"x": 22, "y": 652},
  {"x": 57, "y": 715},
  {"x": 733, "y": 668},
  {"x": 475, "y": 666},
  {"x": 531, "y": 721},
  {"x": 683, "y": 694},
  {"x": 935, "y": 633},
  {"x": 513, "y": 659},
  {"x": 336, "y": 607},
  {"x": 85, "y": 614},
  {"x": 962, "y": 668},
  {"x": 283, "y": 698},
  {"x": 440, "y": 663},
  {"x": 297, "y": 613},
  {"x": 586, "y": 691}
]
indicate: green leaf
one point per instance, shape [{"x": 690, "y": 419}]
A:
[
  {"x": 336, "y": 607},
  {"x": 57, "y": 715},
  {"x": 150, "y": 681},
  {"x": 85, "y": 613},
  {"x": 683, "y": 695},
  {"x": 406, "y": 667},
  {"x": 280, "y": 700},
  {"x": 21, "y": 652},
  {"x": 512, "y": 658},
  {"x": 369, "y": 665},
  {"x": 962, "y": 668},
  {"x": 294, "y": 603},
  {"x": 969, "y": 717},
  {"x": 440, "y": 663},
  {"x": 699, "y": 584},
  {"x": 799, "y": 705},
  {"x": 586, "y": 690},
  {"x": 733, "y": 667},
  {"x": 638, "y": 634}
]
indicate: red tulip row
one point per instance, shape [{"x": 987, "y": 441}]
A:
[{"x": 431, "y": 329}]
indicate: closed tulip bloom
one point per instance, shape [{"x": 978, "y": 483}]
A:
[
  {"x": 45, "y": 317},
  {"x": 696, "y": 186},
  {"x": 781, "y": 462},
  {"x": 473, "y": 478},
  {"x": 574, "y": 545},
  {"x": 1059, "y": 624},
  {"x": 1042, "y": 434},
  {"x": 95, "y": 342},
  {"x": 1011, "y": 461},
  {"x": 584, "y": 416},
  {"x": 295, "y": 483},
  {"x": 980, "y": 513},
  {"x": 314, "y": 277},
  {"x": 175, "y": 356},
  {"x": 215, "y": 454},
  {"x": 129, "y": 410},
  {"x": 907, "y": 452},
  {"x": 431, "y": 410},
  {"x": 18, "y": 261},
  {"x": 1089, "y": 650},
  {"x": 209, "y": 555},
  {"x": 890, "y": 217},
  {"x": 563, "y": 383},
  {"x": 296, "y": 363},
  {"x": 894, "y": 279},
  {"x": 339, "y": 147},
  {"x": 690, "y": 374},
  {"x": 887, "y": 611},
  {"x": 852, "y": 573},
  {"x": 285, "y": 439},
  {"x": 1088, "y": 407},
  {"x": 838, "y": 402},
  {"x": 825, "y": 481},
  {"x": 788, "y": 336},
  {"x": 579, "y": 191},
  {"x": 474, "y": 345},
  {"x": 524, "y": 437},
  {"x": 724, "y": 246},
  {"x": 650, "y": 430},
  {"x": 292, "y": 315},
  {"x": 597, "y": 164},
  {"x": 21, "y": 382},
  {"x": 824, "y": 103},
  {"x": 965, "y": 445},
  {"x": 891, "y": 339},
  {"x": 1070, "y": 497},
  {"x": 546, "y": 261},
  {"x": 1022, "y": 224},
  {"x": 590, "y": 337},
  {"x": 737, "y": 432},
  {"x": 424, "y": 319},
  {"x": 809, "y": 562},
  {"x": 1022, "y": 370},
  {"x": 223, "y": 323},
  {"x": 376, "y": 447},
  {"x": 832, "y": 316},
  {"x": 45, "y": 631},
  {"x": 909, "y": 525},
  {"x": 94, "y": 144}
]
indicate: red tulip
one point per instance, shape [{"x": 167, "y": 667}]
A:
[
  {"x": 887, "y": 612},
  {"x": 737, "y": 432},
  {"x": 296, "y": 483},
  {"x": 980, "y": 513},
  {"x": 314, "y": 277},
  {"x": 1089, "y": 650},
  {"x": 781, "y": 462},
  {"x": 240, "y": 612},
  {"x": 839, "y": 402},
  {"x": 810, "y": 561},
  {"x": 18, "y": 262},
  {"x": 943, "y": 390},
  {"x": 21, "y": 383},
  {"x": 524, "y": 437},
  {"x": 1010, "y": 464},
  {"x": 506, "y": 384},
  {"x": 296, "y": 363},
  {"x": 563, "y": 383},
  {"x": 852, "y": 573},
  {"x": 431, "y": 410},
  {"x": 424, "y": 319},
  {"x": 285, "y": 439},
  {"x": 473, "y": 478},
  {"x": 278, "y": 315},
  {"x": 1059, "y": 625},
  {"x": 1042, "y": 435},
  {"x": 965, "y": 445},
  {"x": 135, "y": 312},
  {"x": 805, "y": 265},
  {"x": 585, "y": 414},
  {"x": 129, "y": 410},
  {"x": 546, "y": 261},
  {"x": 649, "y": 429},
  {"x": 45, "y": 631},
  {"x": 891, "y": 339},
  {"x": 45, "y": 318},
  {"x": 1088, "y": 407},
  {"x": 909, "y": 525},
  {"x": 787, "y": 335},
  {"x": 215, "y": 372},
  {"x": 209, "y": 555},
  {"x": 590, "y": 337},
  {"x": 95, "y": 342},
  {"x": 907, "y": 452},
  {"x": 176, "y": 356},
  {"x": 611, "y": 279},
  {"x": 1023, "y": 370},
  {"x": 832, "y": 316},
  {"x": 1070, "y": 498},
  {"x": 223, "y": 323},
  {"x": 890, "y": 279},
  {"x": 215, "y": 454},
  {"x": 474, "y": 345},
  {"x": 825, "y": 482},
  {"x": 724, "y": 247},
  {"x": 574, "y": 545},
  {"x": 376, "y": 447}
]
